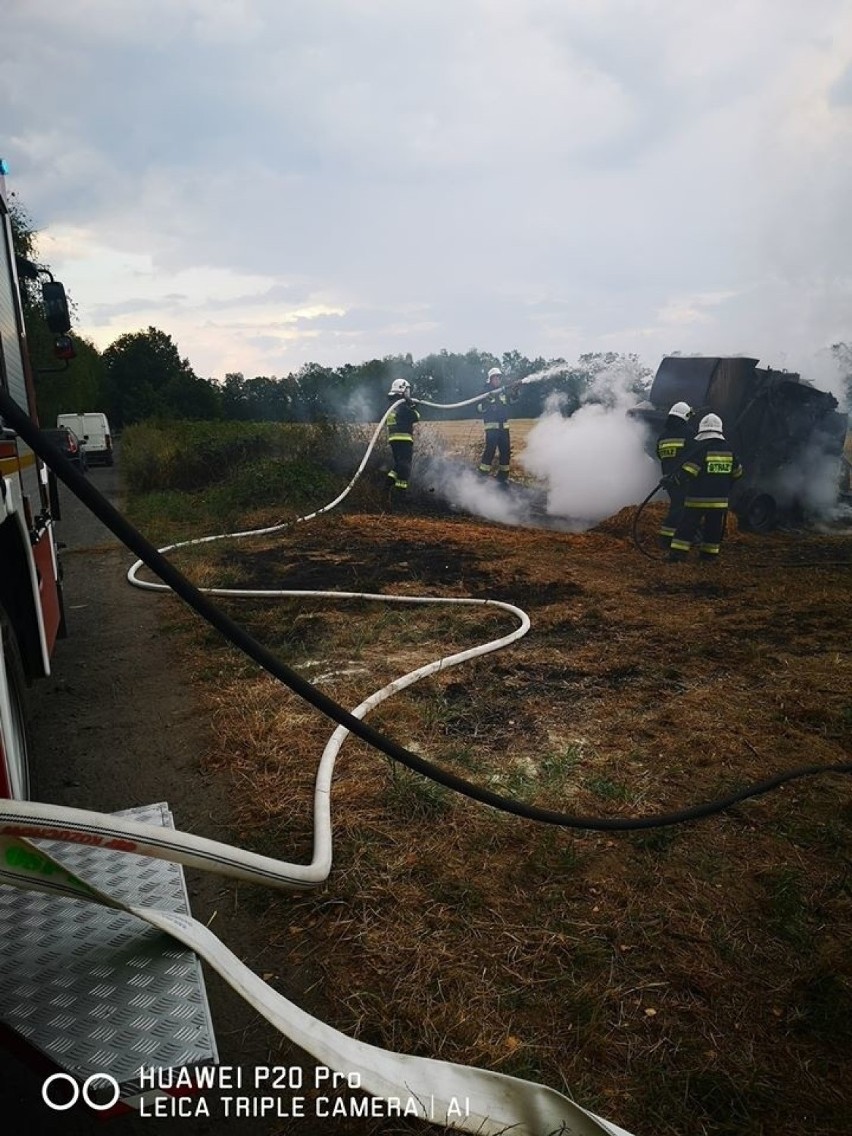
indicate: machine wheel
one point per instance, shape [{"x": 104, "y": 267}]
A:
[
  {"x": 14, "y": 746},
  {"x": 757, "y": 512}
]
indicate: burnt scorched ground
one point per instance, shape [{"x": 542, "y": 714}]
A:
[
  {"x": 314, "y": 567},
  {"x": 679, "y": 980}
]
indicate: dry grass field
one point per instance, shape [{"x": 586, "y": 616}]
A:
[
  {"x": 464, "y": 438},
  {"x": 687, "y": 980}
]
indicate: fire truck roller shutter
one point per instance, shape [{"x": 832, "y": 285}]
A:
[{"x": 14, "y": 761}]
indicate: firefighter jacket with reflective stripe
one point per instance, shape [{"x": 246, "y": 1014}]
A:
[
  {"x": 672, "y": 443},
  {"x": 494, "y": 409},
  {"x": 708, "y": 474},
  {"x": 400, "y": 423}
]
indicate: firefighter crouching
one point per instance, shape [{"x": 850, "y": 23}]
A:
[
  {"x": 494, "y": 409},
  {"x": 400, "y": 427},
  {"x": 708, "y": 474},
  {"x": 675, "y": 439}
]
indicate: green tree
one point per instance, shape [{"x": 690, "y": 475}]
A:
[
  {"x": 234, "y": 400},
  {"x": 451, "y": 377},
  {"x": 143, "y": 370},
  {"x": 310, "y": 392},
  {"x": 266, "y": 399},
  {"x": 40, "y": 339},
  {"x": 187, "y": 396}
]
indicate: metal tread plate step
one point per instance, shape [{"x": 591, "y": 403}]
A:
[{"x": 97, "y": 990}]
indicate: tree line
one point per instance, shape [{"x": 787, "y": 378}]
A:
[{"x": 142, "y": 376}]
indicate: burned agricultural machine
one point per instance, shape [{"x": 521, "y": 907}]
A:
[{"x": 788, "y": 435}]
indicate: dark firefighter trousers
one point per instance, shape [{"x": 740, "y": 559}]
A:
[
  {"x": 497, "y": 441},
  {"x": 402, "y": 453},
  {"x": 711, "y": 522},
  {"x": 677, "y": 496}
]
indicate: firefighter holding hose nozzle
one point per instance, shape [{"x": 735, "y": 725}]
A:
[
  {"x": 494, "y": 409},
  {"x": 708, "y": 473},
  {"x": 400, "y": 426}
]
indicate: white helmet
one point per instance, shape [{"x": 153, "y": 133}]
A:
[
  {"x": 401, "y": 388},
  {"x": 681, "y": 410},
  {"x": 710, "y": 424},
  {"x": 495, "y": 372}
]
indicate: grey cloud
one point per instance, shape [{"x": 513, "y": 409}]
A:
[
  {"x": 840, "y": 92},
  {"x": 463, "y": 173}
]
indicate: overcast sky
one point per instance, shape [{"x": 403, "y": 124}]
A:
[{"x": 273, "y": 182}]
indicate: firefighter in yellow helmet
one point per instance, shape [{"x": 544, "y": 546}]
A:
[
  {"x": 494, "y": 408},
  {"x": 400, "y": 425},
  {"x": 708, "y": 473}
]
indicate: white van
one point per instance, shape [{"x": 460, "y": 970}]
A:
[{"x": 92, "y": 428}]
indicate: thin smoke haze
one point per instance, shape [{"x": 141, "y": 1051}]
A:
[{"x": 463, "y": 488}]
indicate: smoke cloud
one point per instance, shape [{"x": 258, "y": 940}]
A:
[
  {"x": 465, "y": 489},
  {"x": 831, "y": 370},
  {"x": 813, "y": 483},
  {"x": 595, "y": 462},
  {"x": 360, "y": 405},
  {"x": 586, "y": 466}
]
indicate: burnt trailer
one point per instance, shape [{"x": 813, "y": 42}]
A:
[{"x": 788, "y": 435}]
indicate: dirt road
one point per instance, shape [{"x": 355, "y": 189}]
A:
[{"x": 116, "y": 726}]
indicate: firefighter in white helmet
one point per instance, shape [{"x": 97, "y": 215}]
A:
[
  {"x": 672, "y": 444},
  {"x": 400, "y": 425},
  {"x": 709, "y": 471},
  {"x": 494, "y": 409}
]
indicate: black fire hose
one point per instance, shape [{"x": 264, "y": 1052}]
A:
[
  {"x": 635, "y": 526},
  {"x": 240, "y": 638}
]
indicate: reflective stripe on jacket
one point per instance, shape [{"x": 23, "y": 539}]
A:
[
  {"x": 714, "y": 468},
  {"x": 671, "y": 444},
  {"x": 400, "y": 423},
  {"x": 494, "y": 409}
]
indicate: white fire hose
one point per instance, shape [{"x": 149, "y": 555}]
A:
[{"x": 493, "y": 1103}]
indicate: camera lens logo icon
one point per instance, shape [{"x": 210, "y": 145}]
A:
[{"x": 100, "y": 1091}]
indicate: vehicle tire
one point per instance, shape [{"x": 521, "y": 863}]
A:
[
  {"x": 14, "y": 770},
  {"x": 757, "y": 512}
]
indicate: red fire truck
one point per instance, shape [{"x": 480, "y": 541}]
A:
[{"x": 30, "y": 590}]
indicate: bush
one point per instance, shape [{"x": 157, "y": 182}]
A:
[{"x": 266, "y": 458}]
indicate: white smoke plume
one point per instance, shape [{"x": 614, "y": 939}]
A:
[
  {"x": 813, "y": 482},
  {"x": 466, "y": 489},
  {"x": 360, "y": 405},
  {"x": 831, "y": 370},
  {"x": 595, "y": 462}
]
